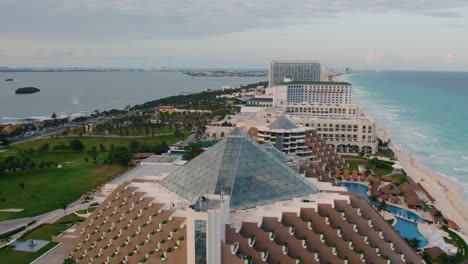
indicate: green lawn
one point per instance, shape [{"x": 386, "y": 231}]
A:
[
  {"x": 10, "y": 256},
  {"x": 69, "y": 219},
  {"x": 43, "y": 232},
  {"x": 355, "y": 161},
  {"x": 132, "y": 131},
  {"x": 48, "y": 188},
  {"x": 85, "y": 211},
  {"x": 400, "y": 177}
]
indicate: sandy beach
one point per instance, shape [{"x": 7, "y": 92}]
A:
[{"x": 447, "y": 194}]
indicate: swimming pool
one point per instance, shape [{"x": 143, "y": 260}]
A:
[{"x": 406, "y": 229}]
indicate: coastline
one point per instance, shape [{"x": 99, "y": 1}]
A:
[{"x": 447, "y": 194}]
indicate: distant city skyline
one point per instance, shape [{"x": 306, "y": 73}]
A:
[{"x": 394, "y": 35}]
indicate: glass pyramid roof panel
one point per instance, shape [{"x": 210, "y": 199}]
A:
[
  {"x": 277, "y": 153},
  {"x": 239, "y": 167},
  {"x": 283, "y": 123}
]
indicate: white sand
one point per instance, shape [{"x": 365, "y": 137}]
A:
[{"x": 448, "y": 196}]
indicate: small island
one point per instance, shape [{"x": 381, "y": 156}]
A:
[
  {"x": 27, "y": 90},
  {"x": 8, "y": 80}
]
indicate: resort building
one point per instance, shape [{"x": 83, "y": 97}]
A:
[
  {"x": 323, "y": 110},
  {"x": 292, "y": 139},
  {"x": 165, "y": 109},
  {"x": 298, "y": 70},
  {"x": 260, "y": 101},
  {"x": 307, "y": 92},
  {"x": 343, "y": 134},
  {"x": 235, "y": 203},
  {"x": 284, "y": 135}
]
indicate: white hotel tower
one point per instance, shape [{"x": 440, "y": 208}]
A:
[{"x": 298, "y": 70}]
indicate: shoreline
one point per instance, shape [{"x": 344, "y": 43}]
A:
[{"x": 447, "y": 194}]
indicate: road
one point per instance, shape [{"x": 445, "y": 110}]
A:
[
  {"x": 37, "y": 135},
  {"x": 46, "y": 218}
]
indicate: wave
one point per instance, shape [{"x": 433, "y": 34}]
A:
[
  {"x": 461, "y": 169},
  {"x": 418, "y": 134},
  {"x": 464, "y": 158}
]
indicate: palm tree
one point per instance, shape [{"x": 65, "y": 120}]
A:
[{"x": 383, "y": 207}]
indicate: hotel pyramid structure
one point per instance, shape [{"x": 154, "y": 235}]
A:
[{"x": 237, "y": 166}]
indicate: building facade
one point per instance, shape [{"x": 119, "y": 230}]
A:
[
  {"x": 325, "y": 110},
  {"x": 345, "y": 135},
  {"x": 285, "y": 136},
  {"x": 307, "y": 92},
  {"x": 298, "y": 70}
]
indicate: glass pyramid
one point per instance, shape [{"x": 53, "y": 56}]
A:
[
  {"x": 283, "y": 123},
  {"x": 239, "y": 167},
  {"x": 273, "y": 150}
]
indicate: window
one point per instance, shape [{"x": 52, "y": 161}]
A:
[{"x": 200, "y": 242}]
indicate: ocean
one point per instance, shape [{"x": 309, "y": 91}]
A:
[
  {"x": 73, "y": 92},
  {"x": 426, "y": 114}
]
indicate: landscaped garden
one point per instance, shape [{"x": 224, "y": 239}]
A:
[{"x": 50, "y": 173}]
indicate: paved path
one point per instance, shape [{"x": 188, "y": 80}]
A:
[
  {"x": 56, "y": 255},
  {"x": 49, "y": 217}
]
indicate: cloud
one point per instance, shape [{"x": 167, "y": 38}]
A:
[
  {"x": 450, "y": 57},
  {"x": 169, "y": 19},
  {"x": 373, "y": 56},
  {"x": 454, "y": 25},
  {"x": 443, "y": 14},
  {"x": 61, "y": 54}
]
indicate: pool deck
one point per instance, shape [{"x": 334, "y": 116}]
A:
[
  {"x": 397, "y": 219},
  {"x": 435, "y": 237}
]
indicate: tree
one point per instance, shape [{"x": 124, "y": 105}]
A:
[
  {"x": 54, "y": 115},
  {"x": 134, "y": 145},
  {"x": 413, "y": 242},
  {"x": 69, "y": 261},
  {"x": 193, "y": 150},
  {"x": 161, "y": 148},
  {"x": 101, "y": 146},
  {"x": 21, "y": 185},
  {"x": 119, "y": 155},
  {"x": 76, "y": 145},
  {"x": 64, "y": 207},
  {"x": 445, "y": 258},
  {"x": 44, "y": 148},
  {"x": 383, "y": 207}
]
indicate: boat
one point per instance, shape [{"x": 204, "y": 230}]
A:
[{"x": 8, "y": 80}]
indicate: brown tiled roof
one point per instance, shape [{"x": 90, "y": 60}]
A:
[
  {"x": 324, "y": 152},
  {"x": 334, "y": 225},
  {"x": 451, "y": 224},
  {"x": 390, "y": 189},
  {"x": 128, "y": 226},
  {"x": 434, "y": 252}
]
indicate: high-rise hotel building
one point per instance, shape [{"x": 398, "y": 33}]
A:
[
  {"x": 297, "y": 70},
  {"x": 308, "y": 92}
]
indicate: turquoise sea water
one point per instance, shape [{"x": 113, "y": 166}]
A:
[{"x": 426, "y": 114}]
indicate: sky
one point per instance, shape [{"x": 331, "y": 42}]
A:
[{"x": 364, "y": 34}]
